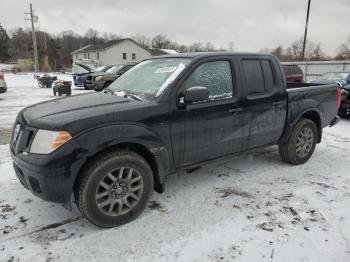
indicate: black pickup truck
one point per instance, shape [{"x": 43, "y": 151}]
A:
[{"x": 112, "y": 149}]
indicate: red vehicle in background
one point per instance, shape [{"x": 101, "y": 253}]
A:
[
  {"x": 293, "y": 73},
  {"x": 3, "y": 86}
]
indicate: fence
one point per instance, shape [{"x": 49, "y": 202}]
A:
[{"x": 313, "y": 69}]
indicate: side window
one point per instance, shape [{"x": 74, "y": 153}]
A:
[
  {"x": 216, "y": 76},
  {"x": 269, "y": 76},
  {"x": 259, "y": 76},
  {"x": 123, "y": 70},
  {"x": 253, "y": 75}
]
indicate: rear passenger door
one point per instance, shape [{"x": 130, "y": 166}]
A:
[{"x": 265, "y": 103}]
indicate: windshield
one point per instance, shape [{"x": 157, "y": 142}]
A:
[
  {"x": 100, "y": 68},
  {"x": 114, "y": 69},
  {"x": 150, "y": 77},
  {"x": 334, "y": 76}
]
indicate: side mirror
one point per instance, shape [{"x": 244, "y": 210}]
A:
[{"x": 196, "y": 94}]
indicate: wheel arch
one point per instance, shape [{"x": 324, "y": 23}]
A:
[
  {"x": 316, "y": 118},
  {"x": 312, "y": 114},
  {"x": 143, "y": 142}
]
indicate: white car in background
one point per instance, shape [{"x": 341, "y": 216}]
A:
[{"x": 3, "y": 86}]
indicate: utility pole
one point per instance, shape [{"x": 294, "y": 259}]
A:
[
  {"x": 33, "y": 18},
  {"x": 305, "y": 33}
]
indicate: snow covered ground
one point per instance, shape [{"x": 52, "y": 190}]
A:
[
  {"x": 23, "y": 91},
  {"x": 251, "y": 208}
]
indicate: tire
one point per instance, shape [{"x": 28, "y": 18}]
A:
[
  {"x": 101, "y": 184},
  {"x": 304, "y": 138}
]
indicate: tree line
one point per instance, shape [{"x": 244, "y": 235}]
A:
[{"x": 55, "y": 50}]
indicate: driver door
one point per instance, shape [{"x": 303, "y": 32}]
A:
[{"x": 211, "y": 128}]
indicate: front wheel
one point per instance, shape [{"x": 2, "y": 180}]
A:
[
  {"x": 301, "y": 143},
  {"x": 114, "y": 189}
]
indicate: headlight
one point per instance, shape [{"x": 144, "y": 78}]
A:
[
  {"x": 46, "y": 141},
  {"x": 98, "y": 78}
]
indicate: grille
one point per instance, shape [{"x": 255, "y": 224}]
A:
[{"x": 22, "y": 138}]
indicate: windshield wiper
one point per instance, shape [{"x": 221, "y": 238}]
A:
[
  {"x": 133, "y": 96},
  {"x": 107, "y": 90},
  {"x": 123, "y": 94}
]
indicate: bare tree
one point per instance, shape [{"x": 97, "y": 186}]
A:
[
  {"x": 91, "y": 37},
  {"x": 278, "y": 51},
  {"x": 231, "y": 46},
  {"x": 142, "y": 40},
  {"x": 161, "y": 41},
  {"x": 196, "y": 47},
  {"x": 209, "y": 47},
  {"x": 344, "y": 51}
]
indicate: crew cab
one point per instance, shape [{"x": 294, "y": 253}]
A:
[{"x": 113, "y": 148}]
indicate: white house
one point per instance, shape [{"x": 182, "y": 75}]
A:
[{"x": 121, "y": 51}]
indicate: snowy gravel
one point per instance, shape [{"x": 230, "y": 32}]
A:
[{"x": 251, "y": 208}]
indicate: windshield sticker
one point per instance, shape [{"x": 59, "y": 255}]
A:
[
  {"x": 165, "y": 70},
  {"x": 171, "y": 78}
]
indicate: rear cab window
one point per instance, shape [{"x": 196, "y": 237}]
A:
[{"x": 259, "y": 76}]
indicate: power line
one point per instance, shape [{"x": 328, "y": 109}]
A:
[
  {"x": 33, "y": 19},
  {"x": 305, "y": 33}
]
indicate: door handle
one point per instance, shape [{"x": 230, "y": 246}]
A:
[
  {"x": 235, "y": 109},
  {"x": 277, "y": 103}
]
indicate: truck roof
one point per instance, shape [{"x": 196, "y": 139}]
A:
[{"x": 209, "y": 54}]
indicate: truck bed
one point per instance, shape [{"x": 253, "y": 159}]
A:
[{"x": 305, "y": 96}]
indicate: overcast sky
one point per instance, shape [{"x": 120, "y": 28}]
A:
[{"x": 251, "y": 24}]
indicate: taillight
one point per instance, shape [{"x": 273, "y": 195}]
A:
[
  {"x": 339, "y": 98},
  {"x": 2, "y": 77}
]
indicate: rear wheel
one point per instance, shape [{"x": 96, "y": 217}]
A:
[
  {"x": 114, "y": 189},
  {"x": 301, "y": 143}
]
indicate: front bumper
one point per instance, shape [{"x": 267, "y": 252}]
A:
[{"x": 50, "y": 177}]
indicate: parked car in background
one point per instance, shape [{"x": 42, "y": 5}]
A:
[
  {"x": 113, "y": 148},
  {"x": 344, "y": 110},
  {"x": 343, "y": 80},
  {"x": 84, "y": 78},
  {"x": 293, "y": 73},
  {"x": 3, "y": 85},
  {"x": 102, "y": 80}
]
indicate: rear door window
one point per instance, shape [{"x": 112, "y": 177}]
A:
[
  {"x": 259, "y": 76},
  {"x": 269, "y": 76},
  {"x": 253, "y": 75}
]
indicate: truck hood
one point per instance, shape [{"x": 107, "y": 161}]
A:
[{"x": 80, "y": 112}]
